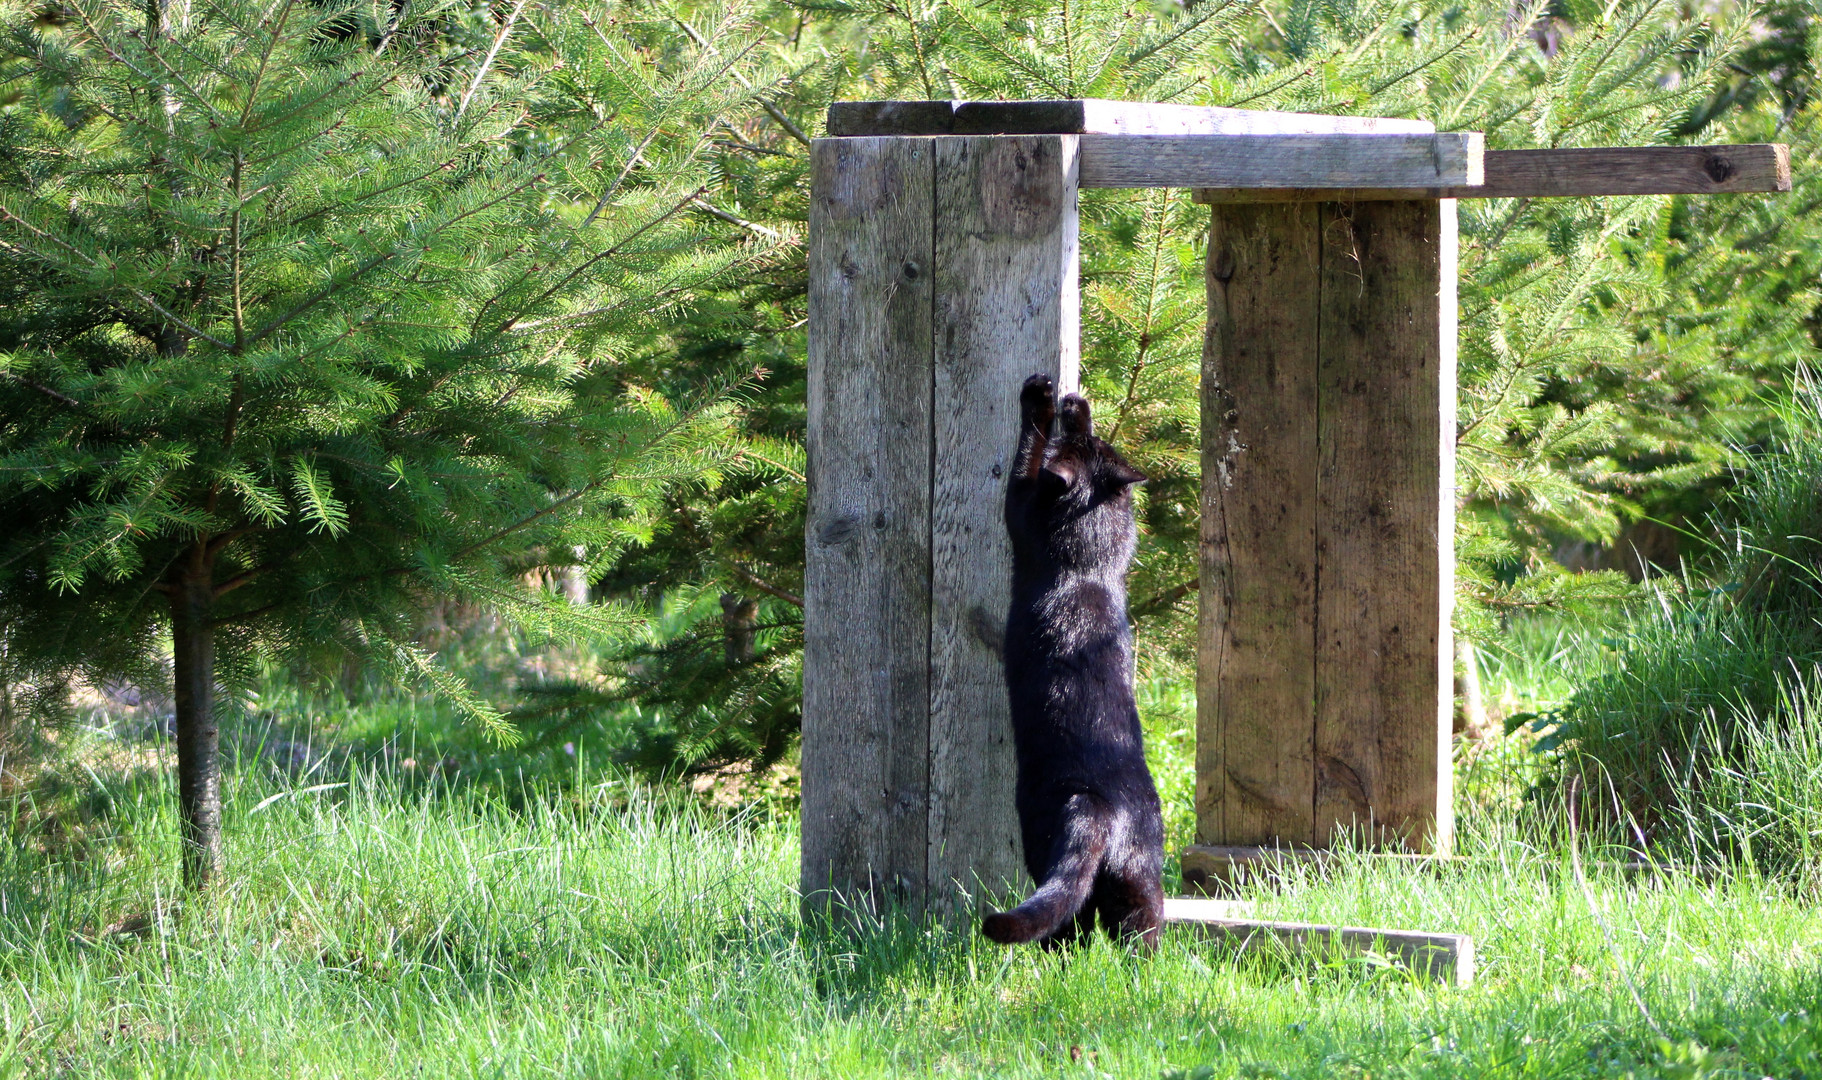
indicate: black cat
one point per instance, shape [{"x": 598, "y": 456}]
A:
[{"x": 1088, "y": 811}]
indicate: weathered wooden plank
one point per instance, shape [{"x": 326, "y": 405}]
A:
[
  {"x": 1256, "y": 658},
  {"x": 1221, "y": 870},
  {"x": 867, "y": 535},
  {"x": 1447, "y": 957},
  {"x": 1185, "y": 908},
  {"x": 1282, "y": 161},
  {"x": 869, "y": 118},
  {"x": 1611, "y": 170},
  {"x": 1092, "y": 116},
  {"x": 1098, "y": 116},
  {"x": 1006, "y": 307},
  {"x": 1383, "y": 524}
]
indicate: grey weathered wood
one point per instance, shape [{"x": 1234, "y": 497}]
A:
[
  {"x": 1384, "y": 521},
  {"x": 1256, "y": 667},
  {"x": 1006, "y": 307},
  {"x": 868, "y": 118},
  {"x": 867, "y": 535},
  {"x": 1282, "y": 161},
  {"x": 1185, "y": 908},
  {"x": 1091, "y": 116},
  {"x": 1220, "y": 870},
  {"x": 1610, "y": 170},
  {"x": 1447, "y": 957}
]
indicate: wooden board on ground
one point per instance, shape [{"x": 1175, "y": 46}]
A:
[
  {"x": 1256, "y": 678},
  {"x": 1220, "y": 870},
  {"x": 1194, "y": 908},
  {"x": 1539, "y": 174},
  {"x": 1447, "y": 957},
  {"x": 1384, "y": 523},
  {"x": 1006, "y": 307},
  {"x": 1093, "y": 116},
  {"x": 867, "y": 533}
]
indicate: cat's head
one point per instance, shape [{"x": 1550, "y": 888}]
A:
[{"x": 1081, "y": 469}]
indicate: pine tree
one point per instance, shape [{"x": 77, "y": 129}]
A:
[{"x": 316, "y": 311}]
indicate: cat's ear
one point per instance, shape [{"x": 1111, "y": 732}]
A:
[
  {"x": 1057, "y": 474},
  {"x": 1076, "y": 419},
  {"x": 1121, "y": 473}
]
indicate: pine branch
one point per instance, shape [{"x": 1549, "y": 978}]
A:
[{"x": 764, "y": 586}]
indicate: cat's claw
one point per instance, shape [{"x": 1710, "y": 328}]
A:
[{"x": 1038, "y": 400}]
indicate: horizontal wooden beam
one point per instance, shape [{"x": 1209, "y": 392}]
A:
[
  {"x": 1543, "y": 174},
  {"x": 1092, "y": 116},
  {"x": 1204, "y": 908},
  {"x": 1215, "y": 868},
  {"x": 1277, "y": 161},
  {"x": 1447, "y": 957}
]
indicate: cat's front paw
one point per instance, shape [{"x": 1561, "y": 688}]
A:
[{"x": 1038, "y": 401}]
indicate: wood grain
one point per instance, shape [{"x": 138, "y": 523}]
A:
[
  {"x": 1383, "y": 535},
  {"x": 1540, "y": 174},
  {"x": 1446, "y": 957},
  {"x": 1006, "y": 307},
  {"x": 867, "y": 535},
  {"x": 870, "y": 118},
  {"x": 1256, "y": 658},
  {"x": 1091, "y": 116},
  {"x": 1282, "y": 161},
  {"x": 1219, "y": 870}
]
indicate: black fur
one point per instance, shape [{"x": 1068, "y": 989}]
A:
[{"x": 1088, "y": 811}]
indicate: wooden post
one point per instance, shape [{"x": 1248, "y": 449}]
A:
[
  {"x": 942, "y": 273},
  {"x": 1006, "y": 307},
  {"x": 1327, "y": 524},
  {"x": 1255, "y": 685},
  {"x": 866, "y": 687}
]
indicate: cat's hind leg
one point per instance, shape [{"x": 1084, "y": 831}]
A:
[{"x": 1130, "y": 902}]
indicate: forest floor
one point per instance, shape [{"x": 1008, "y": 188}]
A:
[{"x": 391, "y": 914}]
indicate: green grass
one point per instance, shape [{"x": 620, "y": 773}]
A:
[{"x": 393, "y": 927}]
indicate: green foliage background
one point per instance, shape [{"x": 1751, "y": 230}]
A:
[{"x": 1615, "y": 354}]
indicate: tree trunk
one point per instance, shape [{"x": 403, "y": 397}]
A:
[
  {"x": 739, "y": 627},
  {"x": 198, "y": 738},
  {"x": 1471, "y": 720}
]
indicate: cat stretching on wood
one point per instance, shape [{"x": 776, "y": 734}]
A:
[{"x": 1088, "y": 811}]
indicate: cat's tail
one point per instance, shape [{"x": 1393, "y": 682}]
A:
[{"x": 1060, "y": 895}]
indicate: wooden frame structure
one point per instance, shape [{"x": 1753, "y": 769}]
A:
[{"x": 943, "y": 259}]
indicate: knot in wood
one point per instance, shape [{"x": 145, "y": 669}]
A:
[{"x": 1718, "y": 168}]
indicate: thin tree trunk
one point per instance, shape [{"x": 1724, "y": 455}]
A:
[
  {"x": 739, "y": 627},
  {"x": 198, "y": 737},
  {"x": 1471, "y": 721}
]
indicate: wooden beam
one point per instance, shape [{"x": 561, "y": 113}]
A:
[
  {"x": 1093, "y": 116},
  {"x": 1006, "y": 301},
  {"x": 1205, "y": 908},
  {"x": 1256, "y": 627},
  {"x": 1448, "y": 957},
  {"x": 1385, "y": 523},
  {"x": 867, "y": 533},
  {"x": 1542, "y": 174},
  {"x": 1281, "y": 161},
  {"x": 1219, "y": 869}
]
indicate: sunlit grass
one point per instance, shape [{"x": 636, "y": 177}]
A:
[{"x": 599, "y": 928}]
